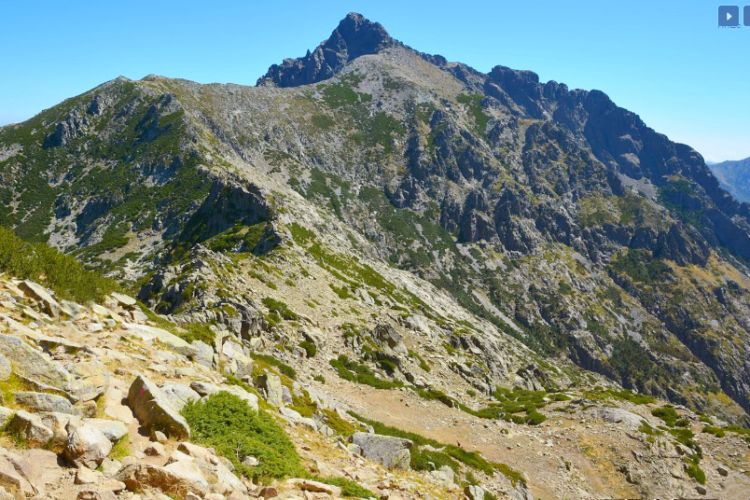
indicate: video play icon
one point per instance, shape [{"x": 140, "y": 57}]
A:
[{"x": 729, "y": 16}]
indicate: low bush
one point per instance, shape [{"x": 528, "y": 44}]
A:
[
  {"x": 357, "y": 372},
  {"x": 226, "y": 423}
]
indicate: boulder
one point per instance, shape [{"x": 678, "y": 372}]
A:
[
  {"x": 37, "y": 292},
  {"x": 274, "y": 390},
  {"x": 30, "y": 428},
  {"x": 6, "y": 414},
  {"x": 32, "y": 365},
  {"x": 123, "y": 300},
  {"x": 150, "y": 334},
  {"x": 58, "y": 423},
  {"x": 315, "y": 487},
  {"x": 474, "y": 492},
  {"x": 179, "y": 394},
  {"x": 153, "y": 409},
  {"x": 40, "y": 401},
  {"x": 204, "y": 353},
  {"x": 141, "y": 476},
  {"x": 388, "y": 451},
  {"x": 113, "y": 429},
  {"x": 5, "y": 368},
  {"x": 87, "y": 445},
  {"x": 626, "y": 418},
  {"x": 294, "y": 417},
  {"x": 12, "y": 478},
  {"x": 206, "y": 389}
]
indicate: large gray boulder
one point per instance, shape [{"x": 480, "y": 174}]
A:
[
  {"x": 30, "y": 364},
  {"x": 140, "y": 477},
  {"x": 37, "y": 292},
  {"x": 179, "y": 394},
  {"x": 388, "y": 451},
  {"x": 41, "y": 401},
  {"x": 30, "y": 428},
  {"x": 87, "y": 445},
  {"x": 274, "y": 390},
  {"x": 620, "y": 416},
  {"x": 154, "y": 411}
]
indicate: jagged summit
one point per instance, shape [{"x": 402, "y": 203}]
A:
[{"x": 353, "y": 37}]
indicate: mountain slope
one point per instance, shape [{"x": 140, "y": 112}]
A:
[
  {"x": 367, "y": 182},
  {"x": 734, "y": 177}
]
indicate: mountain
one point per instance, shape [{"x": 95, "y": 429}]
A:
[
  {"x": 425, "y": 228},
  {"x": 734, "y": 177}
]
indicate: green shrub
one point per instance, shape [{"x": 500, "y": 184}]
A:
[
  {"x": 693, "y": 469},
  {"x": 53, "y": 269},
  {"x": 348, "y": 487},
  {"x": 226, "y": 423},
  {"x": 280, "y": 309},
  {"x": 310, "y": 348},
  {"x": 357, "y": 372},
  {"x": 667, "y": 414},
  {"x": 266, "y": 361}
]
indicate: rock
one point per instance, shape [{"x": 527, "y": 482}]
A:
[
  {"x": 388, "y": 451},
  {"x": 189, "y": 472},
  {"x": 87, "y": 476},
  {"x": 206, "y": 389},
  {"x": 268, "y": 492},
  {"x": 139, "y": 477},
  {"x": 239, "y": 363},
  {"x": 113, "y": 429},
  {"x": 11, "y": 476},
  {"x": 179, "y": 394},
  {"x": 155, "y": 450},
  {"x": 150, "y": 334},
  {"x": 160, "y": 437},
  {"x": 387, "y": 336},
  {"x": 5, "y": 368},
  {"x": 250, "y": 461},
  {"x": 86, "y": 445},
  {"x": 444, "y": 475},
  {"x": 110, "y": 467},
  {"x": 619, "y": 416},
  {"x": 474, "y": 492},
  {"x": 272, "y": 385},
  {"x": 41, "y": 294},
  {"x": 30, "y": 364},
  {"x": 294, "y": 417},
  {"x": 41, "y": 468},
  {"x": 58, "y": 423},
  {"x": 39, "y": 401},
  {"x": 204, "y": 353},
  {"x": 123, "y": 300},
  {"x": 700, "y": 489},
  {"x": 153, "y": 410},
  {"x": 315, "y": 487},
  {"x": 30, "y": 428},
  {"x": 6, "y": 414}
]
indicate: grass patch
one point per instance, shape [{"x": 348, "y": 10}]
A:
[
  {"x": 310, "y": 348},
  {"x": 348, "y": 487},
  {"x": 280, "y": 309},
  {"x": 121, "y": 449},
  {"x": 668, "y": 414},
  {"x": 226, "y": 423},
  {"x": 361, "y": 374},
  {"x": 621, "y": 395},
  {"x": 337, "y": 423},
  {"x": 267, "y": 361}
]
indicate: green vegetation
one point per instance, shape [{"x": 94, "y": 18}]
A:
[
  {"x": 693, "y": 469},
  {"x": 337, "y": 423},
  {"x": 621, "y": 395},
  {"x": 474, "y": 103},
  {"x": 448, "y": 453},
  {"x": 361, "y": 374},
  {"x": 348, "y": 487},
  {"x": 234, "y": 430},
  {"x": 424, "y": 365},
  {"x": 310, "y": 348},
  {"x": 670, "y": 416},
  {"x": 266, "y": 361},
  {"x": 278, "y": 311},
  {"x": 61, "y": 273},
  {"x": 640, "y": 266}
]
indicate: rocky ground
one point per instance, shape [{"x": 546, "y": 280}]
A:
[{"x": 92, "y": 396}]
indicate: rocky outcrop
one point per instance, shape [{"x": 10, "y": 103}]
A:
[
  {"x": 354, "y": 36},
  {"x": 153, "y": 409},
  {"x": 389, "y": 451}
]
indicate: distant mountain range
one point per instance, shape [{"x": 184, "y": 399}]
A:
[{"x": 734, "y": 176}]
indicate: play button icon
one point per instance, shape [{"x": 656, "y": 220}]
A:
[{"x": 729, "y": 16}]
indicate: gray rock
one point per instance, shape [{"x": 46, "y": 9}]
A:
[
  {"x": 619, "y": 416},
  {"x": 204, "y": 353},
  {"x": 123, "y": 300},
  {"x": 58, "y": 423},
  {"x": 12, "y": 476},
  {"x": 388, "y": 451},
  {"x": 32, "y": 365},
  {"x": 40, "y": 401},
  {"x": 474, "y": 492},
  {"x": 179, "y": 394},
  {"x": 30, "y": 428},
  {"x": 42, "y": 295},
  {"x": 140, "y": 477},
  {"x": 113, "y": 429},
  {"x": 154, "y": 411},
  {"x": 274, "y": 389},
  {"x": 5, "y": 415},
  {"x": 87, "y": 445},
  {"x": 294, "y": 417},
  {"x": 205, "y": 389},
  {"x": 5, "y": 368}
]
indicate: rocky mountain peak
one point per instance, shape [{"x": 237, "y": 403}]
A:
[{"x": 355, "y": 36}]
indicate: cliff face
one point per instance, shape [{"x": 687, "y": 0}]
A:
[{"x": 550, "y": 216}]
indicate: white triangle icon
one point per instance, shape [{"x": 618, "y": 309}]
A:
[{"x": 729, "y": 16}]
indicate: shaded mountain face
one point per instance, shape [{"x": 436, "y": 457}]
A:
[
  {"x": 553, "y": 217},
  {"x": 734, "y": 177}
]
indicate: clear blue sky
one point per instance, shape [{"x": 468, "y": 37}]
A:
[{"x": 665, "y": 60}]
